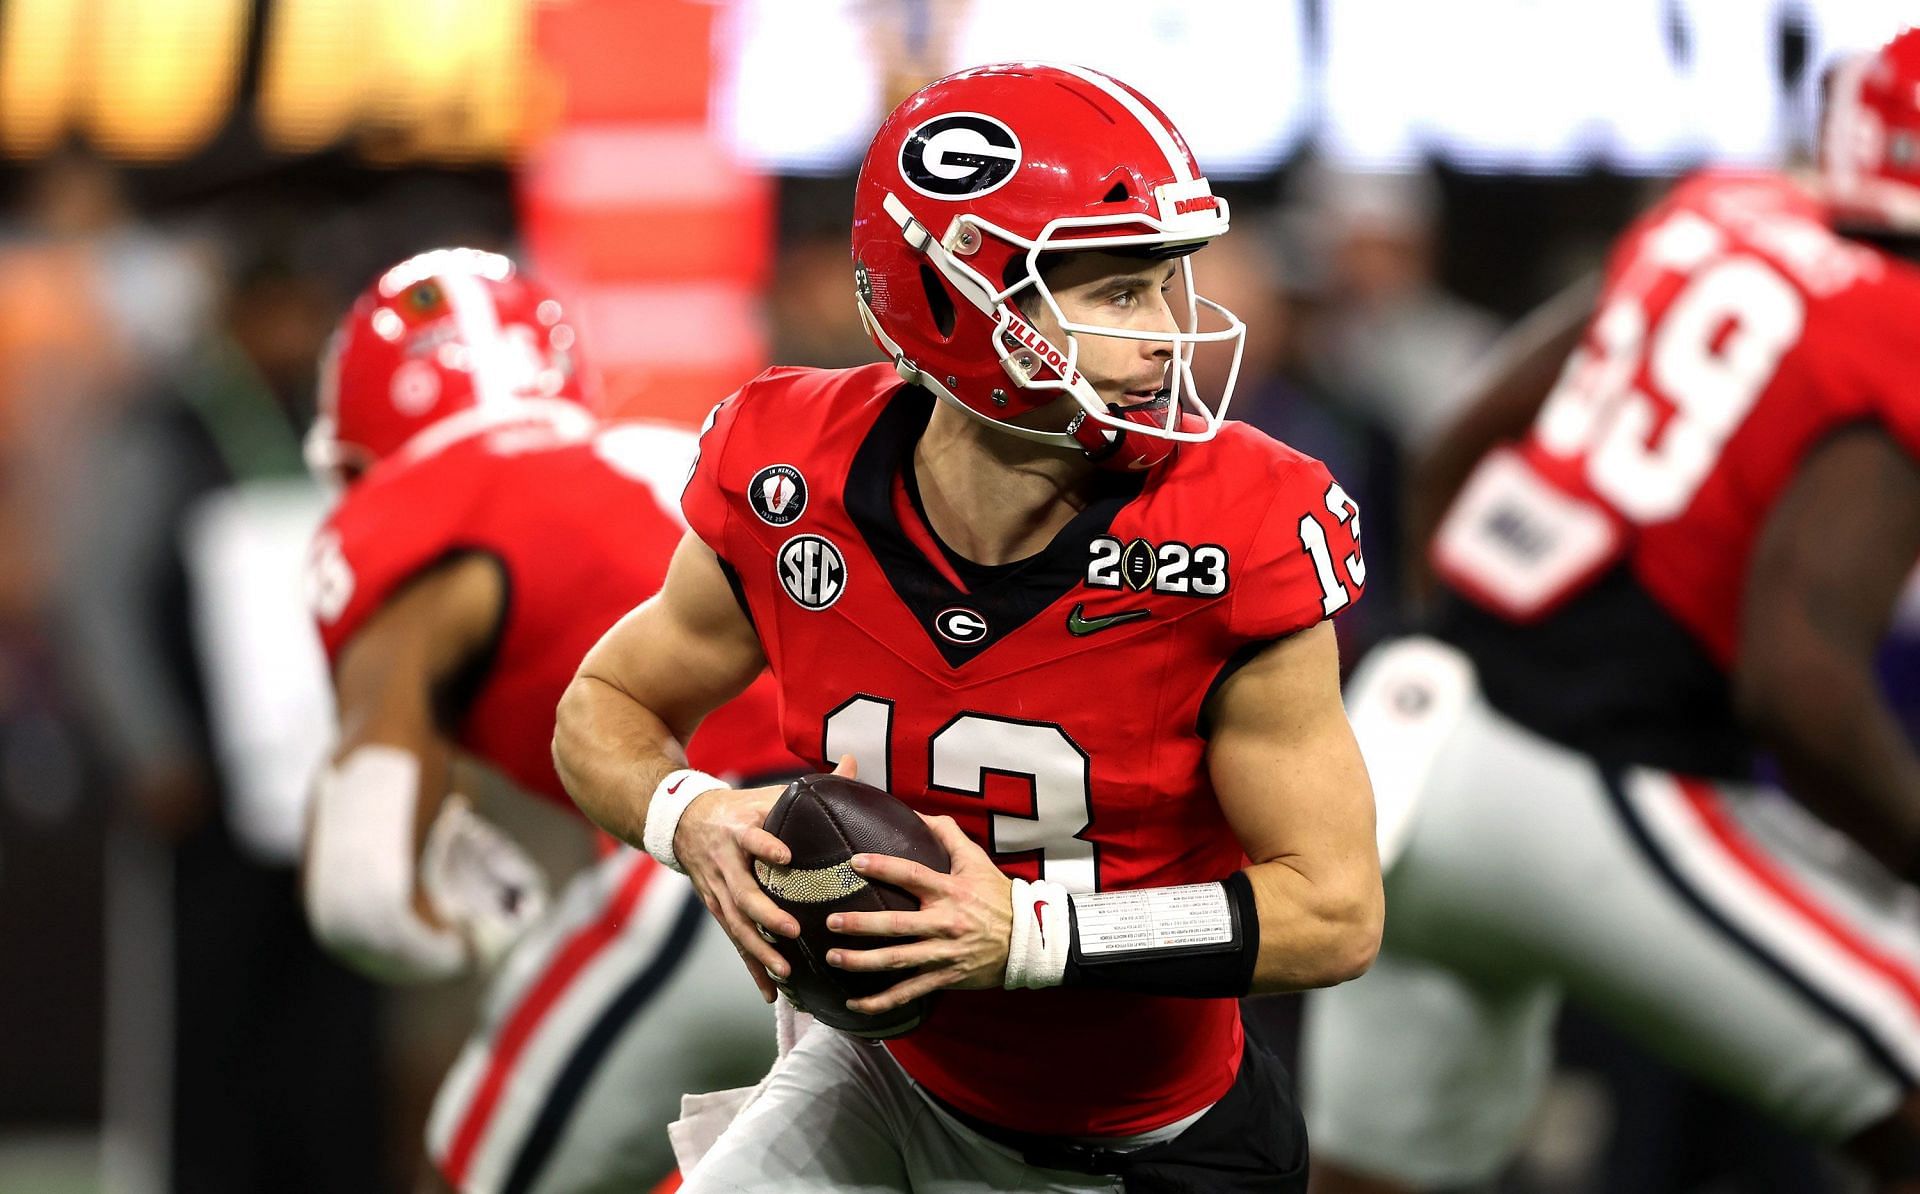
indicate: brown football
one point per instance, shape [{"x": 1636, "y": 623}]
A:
[{"x": 825, "y": 820}]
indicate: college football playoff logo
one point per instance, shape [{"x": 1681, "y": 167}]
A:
[
  {"x": 812, "y": 571},
  {"x": 961, "y": 155},
  {"x": 778, "y": 494},
  {"x": 1138, "y": 564}
]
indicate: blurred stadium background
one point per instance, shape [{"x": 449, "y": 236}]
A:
[{"x": 192, "y": 189}]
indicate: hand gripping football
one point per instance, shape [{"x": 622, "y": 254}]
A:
[{"x": 825, "y": 820}]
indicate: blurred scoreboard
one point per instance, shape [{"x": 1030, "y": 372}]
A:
[
  {"x": 1509, "y": 85},
  {"x": 1523, "y": 86},
  {"x": 155, "y": 80}
]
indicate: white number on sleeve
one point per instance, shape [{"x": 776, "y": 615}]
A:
[
  {"x": 1334, "y": 595},
  {"x": 329, "y": 579}
]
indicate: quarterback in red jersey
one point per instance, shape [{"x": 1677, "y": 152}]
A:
[
  {"x": 490, "y": 530},
  {"x": 1027, "y": 580},
  {"x": 1685, "y": 558}
]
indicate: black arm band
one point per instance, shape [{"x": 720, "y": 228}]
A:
[{"x": 1219, "y": 970}]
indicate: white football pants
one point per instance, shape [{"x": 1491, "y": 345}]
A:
[{"x": 1722, "y": 927}]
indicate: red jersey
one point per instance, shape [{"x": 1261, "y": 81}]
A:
[
  {"x": 1052, "y": 707},
  {"x": 581, "y": 529},
  {"x": 1734, "y": 332}
]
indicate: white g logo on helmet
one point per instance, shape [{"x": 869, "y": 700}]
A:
[{"x": 961, "y": 155}]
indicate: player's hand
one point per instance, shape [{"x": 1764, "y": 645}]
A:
[
  {"x": 475, "y": 878},
  {"x": 718, "y": 838},
  {"x": 964, "y": 923}
]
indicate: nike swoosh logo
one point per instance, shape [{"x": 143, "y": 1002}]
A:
[
  {"x": 676, "y": 785},
  {"x": 1039, "y": 921},
  {"x": 1079, "y": 625}
]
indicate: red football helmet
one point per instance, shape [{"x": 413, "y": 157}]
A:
[
  {"x": 1870, "y": 138},
  {"x": 451, "y": 341},
  {"x": 968, "y": 183}
]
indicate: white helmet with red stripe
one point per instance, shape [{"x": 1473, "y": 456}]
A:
[
  {"x": 1870, "y": 138},
  {"x": 968, "y": 184},
  {"x": 443, "y": 344}
]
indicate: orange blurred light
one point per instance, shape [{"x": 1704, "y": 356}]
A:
[
  {"x": 449, "y": 77},
  {"x": 314, "y": 72},
  {"x": 161, "y": 74},
  {"x": 39, "y": 40},
  {"x": 444, "y": 80},
  {"x": 438, "y": 79}
]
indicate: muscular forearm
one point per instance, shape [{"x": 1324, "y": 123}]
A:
[
  {"x": 1290, "y": 779},
  {"x": 1313, "y": 933},
  {"x": 1265, "y": 929},
  {"x": 611, "y": 753}
]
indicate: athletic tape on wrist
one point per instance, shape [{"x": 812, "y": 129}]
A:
[
  {"x": 669, "y": 803},
  {"x": 1041, "y": 938},
  {"x": 1200, "y": 940}
]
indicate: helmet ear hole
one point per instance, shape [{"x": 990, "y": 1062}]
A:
[
  {"x": 1119, "y": 194},
  {"x": 938, "y": 301}
]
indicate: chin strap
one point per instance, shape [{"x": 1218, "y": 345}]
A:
[
  {"x": 1105, "y": 447},
  {"x": 1120, "y": 451}
]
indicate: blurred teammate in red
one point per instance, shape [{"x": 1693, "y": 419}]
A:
[
  {"x": 490, "y": 530},
  {"x": 1686, "y": 557},
  {"x": 1030, "y": 582}
]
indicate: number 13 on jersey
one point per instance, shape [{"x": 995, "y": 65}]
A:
[{"x": 960, "y": 755}]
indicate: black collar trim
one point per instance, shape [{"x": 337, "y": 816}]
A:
[
  {"x": 1009, "y": 597},
  {"x": 974, "y": 576}
]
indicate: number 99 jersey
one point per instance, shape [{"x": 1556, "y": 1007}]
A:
[
  {"x": 1734, "y": 331},
  {"x": 1052, "y": 707}
]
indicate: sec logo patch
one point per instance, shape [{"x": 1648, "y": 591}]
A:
[
  {"x": 778, "y": 494},
  {"x": 812, "y": 571}
]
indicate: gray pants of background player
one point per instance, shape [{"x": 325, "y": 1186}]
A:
[
  {"x": 1724, "y": 929},
  {"x": 597, "y": 1023}
]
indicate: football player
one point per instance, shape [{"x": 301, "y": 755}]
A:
[
  {"x": 490, "y": 530},
  {"x": 1023, "y": 577},
  {"x": 1687, "y": 558}
]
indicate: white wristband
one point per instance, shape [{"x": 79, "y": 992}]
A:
[
  {"x": 1038, "y": 946},
  {"x": 670, "y": 800}
]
